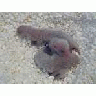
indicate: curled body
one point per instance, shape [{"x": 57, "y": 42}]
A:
[{"x": 57, "y": 44}]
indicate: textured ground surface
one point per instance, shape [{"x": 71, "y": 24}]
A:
[{"x": 17, "y": 59}]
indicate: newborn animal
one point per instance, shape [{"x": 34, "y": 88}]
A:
[{"x": 57, "y": 44}]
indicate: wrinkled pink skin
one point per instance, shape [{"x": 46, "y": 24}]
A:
[
  {"x": 59, "y": 43},
  {"x": 61, "y": 49}
]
